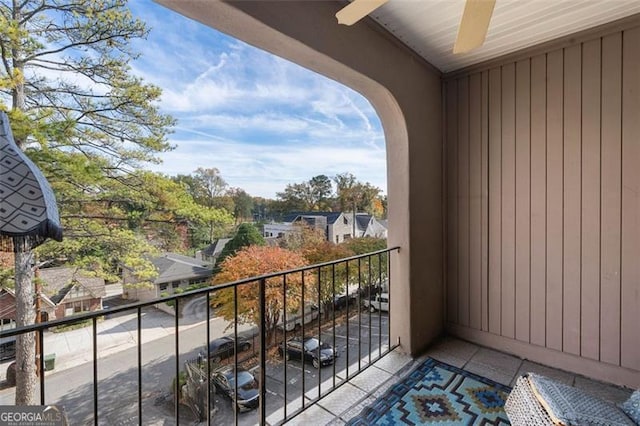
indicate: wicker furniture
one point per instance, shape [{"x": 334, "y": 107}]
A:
[{"x": 539, "y": 401}]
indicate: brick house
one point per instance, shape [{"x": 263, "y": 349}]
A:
[
  {"x": 72, "y": 291},
  {"x": 8, "y": 309}
]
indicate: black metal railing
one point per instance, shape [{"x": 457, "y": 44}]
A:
[{"x": 329, "y": 302}]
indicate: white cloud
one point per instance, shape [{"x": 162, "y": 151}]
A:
[
  {"x": 267, "y": 122},
  {"x": 263, "y": 121},
  {"x": 265, "y": 170}
]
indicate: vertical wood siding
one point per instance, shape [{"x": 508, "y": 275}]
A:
[{"x": 543, "y": 199}]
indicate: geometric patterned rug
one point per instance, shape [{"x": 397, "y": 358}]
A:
[{"x": 438, "y": 394}]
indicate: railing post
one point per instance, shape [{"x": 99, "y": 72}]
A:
[
  {"x": 177, "y": 363},
  {"x": 284, "y": 338},
  {"x": 139, "y": 318},
  {"x": 263, "y": 353},
  {"x": 235, "y": 354},
  {"x": 41, "y": 364},
  {"x": 207, "y": 357},
  {"x": 94, "y": 329}
]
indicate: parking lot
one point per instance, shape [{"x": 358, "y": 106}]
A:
[{"x": 365, "y": 334}]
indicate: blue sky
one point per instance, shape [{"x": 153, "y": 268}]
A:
[{"x": 261, "y": 120}]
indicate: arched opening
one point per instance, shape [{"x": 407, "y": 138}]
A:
[{"x": 405, "y": 92}]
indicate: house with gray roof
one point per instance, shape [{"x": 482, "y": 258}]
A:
[
  {"x": 174, "y": 271},
  {"x": 369, "y": 226},
  {"x": 211, "y": 252},
  {"x": 337, "y": 226},
  {"x": 71, "y": 291}
]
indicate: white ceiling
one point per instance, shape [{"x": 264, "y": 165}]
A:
[{"x": 429, "y": 27}]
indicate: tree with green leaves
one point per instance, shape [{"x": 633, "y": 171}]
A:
[
  {"x": 119, "y": 226},
  {"x": 246, "y": 236},
  {"x": 243, "y": 204},
  {"x": 295, "y": 197},
  {"x": 312, "y": 195},
  {"x": 365, "y": 245},
  {"x": 209, "y": 189},
  {"x": 374, "y": 269},
  {"x": 210, "y": 185},
  {"x": 321, "y": 191},
  {"x": 355, "y": 195},
  {"x": 66, "y": 83}
]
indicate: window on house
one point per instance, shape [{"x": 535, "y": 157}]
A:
[
  {"x": 7, "y": 324},
  {"x": 163, "y": 286},
  {"x": 175, "y": 284},
  {"x": 344, "y": 219},
  {"x": 347, "y": 236},
  {"x": 80, "y": 306}
]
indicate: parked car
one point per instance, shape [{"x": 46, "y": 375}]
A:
[
  {"x": 223, "y": 347},
  {"x": 7, "y": 348},
  {"x": 294, "y": 319},
  {"x": 340, "y": 302},
  {"x": 378, "y": 303},
  {"x": 248, "y": 393},
  {"x": 308, "y": 349}
]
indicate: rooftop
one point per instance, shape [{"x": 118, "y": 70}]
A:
[{"x": 57, "y": 282}]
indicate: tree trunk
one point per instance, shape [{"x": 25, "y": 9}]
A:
[{"x": 26, "y": 378}]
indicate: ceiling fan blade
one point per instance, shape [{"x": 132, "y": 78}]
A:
[
  {"x": 357, "y": 10},
  {"x": 473, "y": 25}
]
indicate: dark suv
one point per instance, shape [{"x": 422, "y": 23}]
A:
[
  {"x": 223, "y": 347},
  {"x": 7, "y": 348},
  {"x": 309, "y": 349},
  {"x": 248, "y": 394}
]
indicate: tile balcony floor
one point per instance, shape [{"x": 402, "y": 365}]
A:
[{"x": 347, "y": 401}]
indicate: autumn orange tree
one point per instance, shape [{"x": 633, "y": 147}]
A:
[
  {"x": 329, "y": 280},
  {"x": 251, "y": 262},
  {"x": 302, "y": 238},
  {"x": 372, "y": 269}
]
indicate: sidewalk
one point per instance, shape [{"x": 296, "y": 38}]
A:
[{"x": 114, "y": 334}]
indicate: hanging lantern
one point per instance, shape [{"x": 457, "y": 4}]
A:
[{"x": 28, "y": 210}]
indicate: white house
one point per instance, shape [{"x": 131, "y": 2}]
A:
[
  {"x": 337, "y": 226},
  {"x": 369, "y": 226}
]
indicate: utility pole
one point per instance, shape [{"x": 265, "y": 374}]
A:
[
  {"x": 38, "y": 304},
  {"x": 354, "y": 218},
  {"x": 38, "y": 319}
]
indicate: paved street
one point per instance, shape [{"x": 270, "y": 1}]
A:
[
  {"x": 119, "y": 332},
  {"x": 117, "y": 372}
]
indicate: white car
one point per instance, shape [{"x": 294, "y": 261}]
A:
[
  {"x": 378, "y": 303},
  {"x": 294, "y": 319}
]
